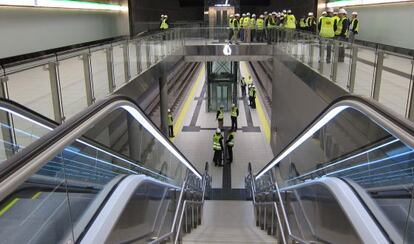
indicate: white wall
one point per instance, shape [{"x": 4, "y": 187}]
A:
[
  {"x": 26, "y": 30},
  {"x": 391, "y": 24}
]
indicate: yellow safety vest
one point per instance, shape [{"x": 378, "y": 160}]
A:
[
  {"x": 234, "y": 112},
  {"x": 271, "y": 23},
  {"x": 216, "y": 141},
  {"x": 260, "y": 24},
  {"x": 170, "y": 119},
  {"x": 290, "y": 22},
  {"x": 164, "y": 25},
  {"x": 352, "y": 25},
  {"x": 252, "y": 23},
  {"x": 221, "y": 115},
  {"x": 327, "y": 27},
  {"x": 231, "y": 142},
  {"x": 302, "y": 23},
  {"x": 231, "y": 22},
  {"x": 339, "y": 26},
  {"x": 246, "y": 22}
]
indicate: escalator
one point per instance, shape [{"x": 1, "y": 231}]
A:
[
  {"x": 88, "y": 181},
  {"x": 346, "y": 178}
]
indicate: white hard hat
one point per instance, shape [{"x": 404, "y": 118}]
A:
[
  {"x": 169, "y": 110},
  {"x": 244, "y": 15},
  {"x": 165, "y": 16},
  {"x": 273, "y": 13},
  {"x": 324, "y": 12},
  {"x": 248, "y": 14},
  {"x": 233, "y": 105},
  {"x": 237, "y": 15},
  {"x": 162, "y": 15},
  {"x": 310, "y": 14},
  {"x": 284, "y": 11},
  {"x": 265, "y": 12},
  {"x": 329, "y": 10},
  {"x": 289, "y": 11},
  {"x": 218, "y": 130},
  {"x": 354, "y": 13},
  {"x": 253, "y": 15},
  {"x": 335, "y": 12},
  {"x": 342, "y": 11},
  {"x": 261, "y": 16},
  {"x": 231, "y": 15}
]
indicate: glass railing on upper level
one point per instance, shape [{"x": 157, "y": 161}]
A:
[
  {"x": 368, "y": 147},
  {"x": 59, "y": 179}
]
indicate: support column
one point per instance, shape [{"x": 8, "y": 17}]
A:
[
  {"x": 310, "y": 62},
  {"x": 148, "y": 53},
  {"x": 86, "y": 59},
  {"x": 139, "y": 58},
  {"x": 55, "y": 90},
  {"x": 110, "y": 68},
  {"x": 334, "y": 70},
  {"x": 352, "y": 72},
  {"x": 163, "y": 85},
  {"x": 321, "y": 57},
  {"x": 378, "y": 75},
  {"x": 127, "y": 71}
]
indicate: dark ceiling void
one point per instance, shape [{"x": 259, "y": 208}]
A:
[
  {"x": 254, "y": 2},
  {"x": 191, "y": 3}
]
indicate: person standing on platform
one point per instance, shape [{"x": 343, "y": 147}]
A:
[
  {"x": 161, "y": 20},
  {"x": 302, "y": 23},
  {"x": 241, "y": 29},
  {"x": 260, "y": 24},
  {"x": 218, "y": 148},
  {"x": 353, "y": 27},
  {"x": 236, "y": 28},
  {"x": 341, "y": 33},
  {"x": 233, "y": 116},
  {"x": 164, "y": 23},
  {"x": 246, "y": 26},
  {"x": 327, "y": 27},
  {"x": 311, "y": 23},
  {"x": 253, "y": 34},
  {"x": 243, "y": 86},
  {"x": 170, "y": 124},
  {"x": 252, "y": 97},
  {"x": 230, "y": 145},
  {"x": 231, "y": 27},
  {"x": 220, "y": 117}
]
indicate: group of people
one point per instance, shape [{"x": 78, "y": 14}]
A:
[
  {"x": 249, "y": 28},
  {"x": 218, "y": 138},
  {"x": 164, "y": 23}
]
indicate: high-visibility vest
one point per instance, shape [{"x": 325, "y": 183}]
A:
[
  {"x": 251, "y": 92},
  {"x": 221, "y": 115},
  {"x": 260, "y": 24},
  {"x": 241, "y": 21},
  {"x": 290, "y": 22},
  {"x": 246, "y": 22},
  {"x": 231, "y": 23},
  {"x": 234, "y": 111},
  {"x": 352, "y": 25},
  {"x": 327, "y": 27},
  {"x": 170, "y": 119},
  {"x": 231, "y": 142},
  {"x": 216, "y": 141},
  {"x": 164, "y": 24},
  {"x": 235, "y": 24},
  {"x": 271, "y": 23},
  {"x": 302, "y": 23},
  {"x": 339, "y": 26},
  {"x": 252, "y": 23},
  {"x": 308, "y": 22}
]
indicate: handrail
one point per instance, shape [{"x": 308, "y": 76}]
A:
[
  {"x": 399, "y": 127},
  {"x": 17, "y": 169},
  {"x": 274, "y": 204}
]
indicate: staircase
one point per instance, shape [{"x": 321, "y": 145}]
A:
[{"x": 228, "y": 222}]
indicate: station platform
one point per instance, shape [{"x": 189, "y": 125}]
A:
[{"x": 195, "y": 127}]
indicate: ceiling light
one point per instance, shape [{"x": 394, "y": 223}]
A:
[{"x": 67, "y": 4}]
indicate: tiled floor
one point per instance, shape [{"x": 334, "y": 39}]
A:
[{"x": 249, "y": 146}]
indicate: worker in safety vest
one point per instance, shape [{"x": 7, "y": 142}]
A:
[
  {"x": 302, "y": 23},
  {"x": 170, "y": 124},
  {"x": 236, "y": 28},
  {"x": 243, "y": 86},
  {"x": 246, "y": 27},
  {"x": 165, "y": 24},
  {"x": 241, "y": 31},
  {"x": 161, "y": 19},
  {"x": 260, "y": 26},
  {"x": 282, "y": 18},
  {"x": 341, "y": 33},
  {"x": 253, "y": 28},
  {"x": 311, "y": 23},
  {"x": 230, "y": 145},
  {"x": 271, "y": 27},
  {"x": 327, "y": 27},
  {"x": 218, "y": 148},
  {"x": 220, "y": 116},
  {"x": 324, "y": 13},
  {"x": 353, "y": 27},
  {"x": 290, "y": 22},
  {"x": 234, "y": 114},
  {"x": 231, "y": 27}
]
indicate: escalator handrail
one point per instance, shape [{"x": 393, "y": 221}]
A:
[
  {"x": 45, "y": 148},
  {"x": 43, "y": 121},
  {"x": 396, "y": 125}
]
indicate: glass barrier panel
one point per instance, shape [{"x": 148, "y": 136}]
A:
[
  {"x": 364, "y": 73},
  {"x": 118, "y": 66},
  {"x": 395, "y": 82},
  {"x": 72, "y": 86},
  {"x": 31, "y": 88},
  {"x": 343, "y": 65},
  {"x": 100, "y": 73},
  {"x": 133, "y": 61}
]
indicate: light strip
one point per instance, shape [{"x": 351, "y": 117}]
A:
[
  {"x": 328, "y": 117},
  {"x": 145, "y": 123},
  {"x": 67, "y": 4},
  {"x": 361, "y": 2},
  {"x": 346, "y": 159}
]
